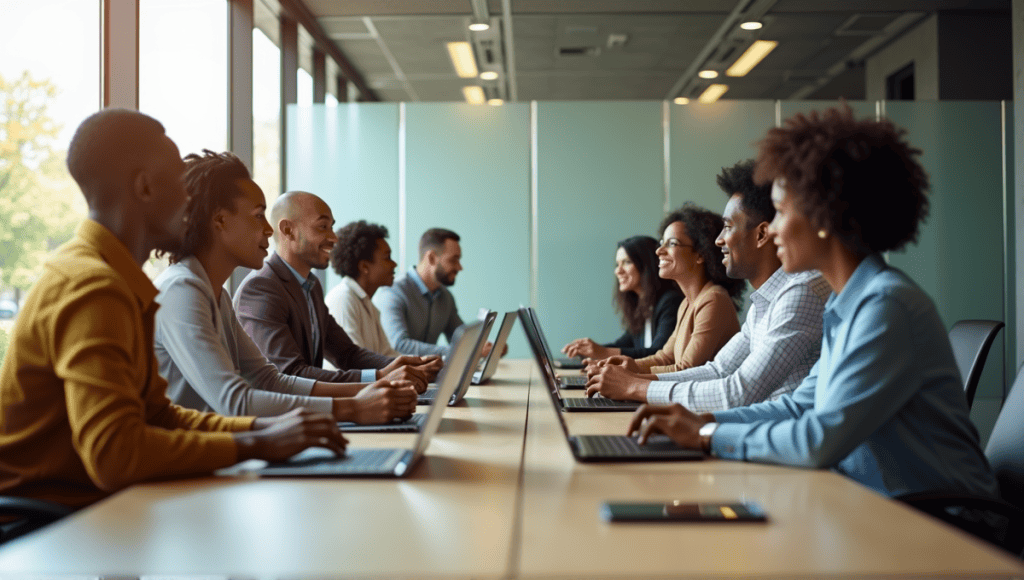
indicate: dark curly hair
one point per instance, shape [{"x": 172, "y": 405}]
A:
[
  {"x": 755, "y": 199},
  {"x": 859, "y": 180},
  {"x": 211, "y": 182},
  {"x": 356, "y": 241},
  {"x": 703, "y": 227},
  {"x": 637, "y": 308}
]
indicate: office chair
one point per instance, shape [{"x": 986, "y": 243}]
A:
[
  {"x": 971, "y": 340},
  {"x": 999, "y": 521},
  {"x": 26, "y": 515}
]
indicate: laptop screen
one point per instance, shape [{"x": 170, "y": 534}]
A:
[{"x": 544, "y": 363}]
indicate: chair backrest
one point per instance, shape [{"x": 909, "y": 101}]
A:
[
  {"x": 971, "y": 340},
  {"x": 1005, "y": 449}
]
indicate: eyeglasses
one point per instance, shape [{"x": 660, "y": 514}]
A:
[{"x": 674, "y": 243}]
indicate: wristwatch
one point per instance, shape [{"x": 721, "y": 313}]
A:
[{"x": 705, "y": 433}]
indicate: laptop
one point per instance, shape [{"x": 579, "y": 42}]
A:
[
  {"x": 479, "y": 337},
  {"x": 490, "y": 364},
  {"x": 410, "y": 425},
  {"x": 368, "y": 462},
  {"x": 605, "y": 447},
  {"x": 570, "y": 382},
  {"x": 574, "y": 404},
  {"x": 569, "y": 363}
]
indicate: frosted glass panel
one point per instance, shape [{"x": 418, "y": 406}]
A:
[
  {"x": 600, "y": 180},
  {"x": 861, "y": 109},
  {"x": 468, "y": 170},
  {"x": 347, "y": 155},
  {"x": 959, "y": 256}
]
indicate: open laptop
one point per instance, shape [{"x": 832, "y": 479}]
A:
[
  {"x": 368, "y": 462},
  {"x": 604, "y": 447},
  {"x": 490, "y": 364},
  {"x": 597, "y": 403},
  {"x": 479, "y": 337},
  {"x": 569, "y": 382}
]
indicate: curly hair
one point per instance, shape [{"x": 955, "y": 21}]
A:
[
  {"x": 357, "y": 241},
  {"x": 703, "y": 227},
  {"x": 211, "y": 182},
  {"x": 635, "y": 307},
  {"x": 755, "y": 199},
  {"x": 859, "y": 180}
]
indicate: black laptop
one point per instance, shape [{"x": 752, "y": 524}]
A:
[
  {"x": 578, "y": 381},
  {"x": 368, "y": 462},
  {"x": 479, "y": 338},
  {"x": 573, "y": 404},
  {"x": 604, "y": 447}
]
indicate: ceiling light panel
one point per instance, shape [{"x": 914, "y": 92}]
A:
[
  {"x": 751, "y": 57},
  {"x": 474, "y": 95},
  {"x": 462, "y": 57},
  {"x": 713, "y": 93}
]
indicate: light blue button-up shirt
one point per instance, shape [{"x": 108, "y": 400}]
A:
[
  {"x": 884, "y": 405},
  {"x": 365, "y": 375}
]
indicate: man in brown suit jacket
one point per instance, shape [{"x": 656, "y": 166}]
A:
[{"x": 281, "y": 306}]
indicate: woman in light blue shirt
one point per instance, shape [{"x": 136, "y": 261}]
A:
[{"x": 884, "y": 405}]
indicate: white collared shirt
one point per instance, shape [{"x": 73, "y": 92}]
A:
[{"x": 350, "y": 306}]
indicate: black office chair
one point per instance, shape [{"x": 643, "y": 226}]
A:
[
  {"x": 20, "y": 515},
  {"x": 971, "y": 340},
  {"x": 999, "y": 521}
]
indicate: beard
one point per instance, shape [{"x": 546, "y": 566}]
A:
[{"x": 443, "y": 276}]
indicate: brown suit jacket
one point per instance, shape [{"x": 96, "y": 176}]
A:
[{"x": 272, "y": 309}]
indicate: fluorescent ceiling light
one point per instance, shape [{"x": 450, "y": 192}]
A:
[
  {"x": 708, "y": 74},
  {"x": 479, "y": 26},
  {"x": 751, "y": 57},
  {"x": 751, "y": 25},
  {"x": 495, "y": 102},
  {"x": 681, "y": 101},
  {"x": 463, "y": 59},
  {"x": 474, "y": 95},
  {"x": 712, "y": 93},
  {"x": 488, "y": 75}
]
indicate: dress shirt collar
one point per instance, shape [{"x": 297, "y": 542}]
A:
[
  {"x": 771, "y": 287},
  {"x": 415, "y": 277},
  {"x": 842, "y": 305},
  {"x": 306, "y": 283},
  {"x": 355, "y": 287},
  {"x": 117, "y": 256}
]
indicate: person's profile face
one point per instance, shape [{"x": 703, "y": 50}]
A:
[
  {"x": 449, "y": 263},
  {"x": 797, "y": 243},
  {"x": 314, "y": 233},
  {"x": 381, "y": 271},
  {"x": 626, "y": 272},
  {"x": 676, "y": 254},
  {"x": 244, "y": 229},
  {"x": 738, "y": 240}
]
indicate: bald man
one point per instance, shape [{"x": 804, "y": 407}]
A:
[
  {"x": 83, "y": 410},
  {"x": 281, "y": 306}
]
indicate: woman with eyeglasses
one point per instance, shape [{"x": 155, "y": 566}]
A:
[
  {"x": 707, "y": 317},
  {"x": 647, "y": 303},
  {"x": 884, "y": 404}
]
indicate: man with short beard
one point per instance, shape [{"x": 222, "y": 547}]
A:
[{"x": 418, "y": 307}]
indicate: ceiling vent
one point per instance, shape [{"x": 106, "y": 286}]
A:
[
  {"x": 865, "y": 24},
  {"x": 578, "y": 51}
]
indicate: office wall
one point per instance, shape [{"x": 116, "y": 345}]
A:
[
  {"x": 920, "y": 46},
  {"x": 541, "y": 193}
]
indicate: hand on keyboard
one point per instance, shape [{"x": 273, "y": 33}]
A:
[{"x": 278, "y": 438}]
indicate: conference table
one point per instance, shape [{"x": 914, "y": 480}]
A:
[{"x": 499, "y": 495}]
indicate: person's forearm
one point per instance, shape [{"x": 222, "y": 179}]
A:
[
  {"x": 344, "y": 409},
  {"x": 321, "y": 389}
]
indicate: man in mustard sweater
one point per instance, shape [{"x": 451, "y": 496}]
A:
[{"x": 82, "y": 407}]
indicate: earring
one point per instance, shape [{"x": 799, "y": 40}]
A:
[{"x": 822, "y": 234}]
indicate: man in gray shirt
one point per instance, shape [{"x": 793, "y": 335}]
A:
[{"x": 418, "y": 307}]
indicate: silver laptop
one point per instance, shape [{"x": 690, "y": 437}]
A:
[
  {"x": 601, "y": 447},
  {"x": 570, "y": 405},
  {"x": 321, "y": 462},
  {"x": 490, "y": 364},
  {"x": 430, "y": 395}
]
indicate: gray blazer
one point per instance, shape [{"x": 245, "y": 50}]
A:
[{"x": 272, "y": 308}]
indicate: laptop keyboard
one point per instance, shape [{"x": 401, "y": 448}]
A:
[
  {"x": 574, "y": 381},
  {"x": 355, "y": 461},
  {"x": 596, "y": 402},
  {"x": 427, "y": 397},
  {"x": 609, "y": 446},
  {"x": 410, "y": 425}
]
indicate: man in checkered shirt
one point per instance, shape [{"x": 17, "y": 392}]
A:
[{"x": 781, "y": 338}]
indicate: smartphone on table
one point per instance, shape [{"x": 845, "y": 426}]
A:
[{"x": 679, "y": 511}]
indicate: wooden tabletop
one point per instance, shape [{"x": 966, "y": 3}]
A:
[{"x": 499, "y": 495}]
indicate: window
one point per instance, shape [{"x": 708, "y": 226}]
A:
[
  {"x": 266, "y": 114},
  {"x": 899, "y": 86}
]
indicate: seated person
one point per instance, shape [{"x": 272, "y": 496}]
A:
[
  {"x": 779, "y": 341},
  {"x": 281, "y": 305},
  {"x": 647, "y": 302},
  {"x": 362, "y": 257},
  {"x": 707, "y": 318},
  {"x": 208, "y": 359},
  {"x": 884, "y": 405},
  {"x": 418, "y": 307},
  {"x": 83, "y": 412}
]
